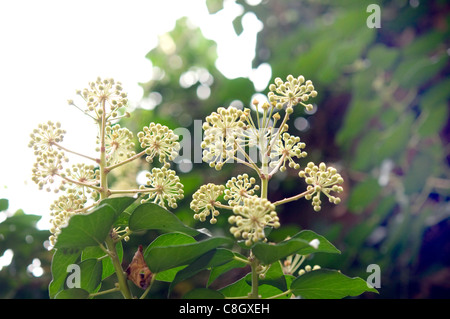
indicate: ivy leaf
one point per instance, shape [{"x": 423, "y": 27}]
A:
[
  {"x": 151, "y": 216},
  {"x": 160, "y": 258},
  {"x": 328, "y": 284}
]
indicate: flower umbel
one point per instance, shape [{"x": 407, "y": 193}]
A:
[
  {"x": 285, "y": 149},
  {"x": 103, "y": 92},
  {"x": 204, "y": 201},
  {"x": 291, "y": 92},
  {"x": 159, "y": 140},
  {"x": 45, "y": 136},
  {"x": 164, "y": 186},
  {"x": 251, "y": 218},
  {"x": 321, "y": 180},
  {"x": 222, "y": 131},
  {"x": 239, "y": 188},
  {"x": 118, "y": 144}
]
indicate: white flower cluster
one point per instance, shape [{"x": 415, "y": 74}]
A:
[
  {"x": 81, "y": 183},
  {"x": 251, "y": 218},
  {"x": 163, "y": 186},
  {"x": 321, "y": 179},
  {"x": 291, "y": 92}
]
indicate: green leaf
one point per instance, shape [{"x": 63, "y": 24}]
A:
[
  {"x": 395, "y": 139},
  {"x": 416, "y": 71},
  {"x": 74, "y": 293},
  {"x": 91, "y": 274},
  {"x": 237, "y": 289},
  {"x": 273, "y": 277},
  {"x": 97, "y": 252},
  {"x": 61, "y": 259},
  {"x": 434, "y": 119},
  {"x": 324, "y": 245},
  {"x": 217, "y": 271},
  {"x": 151, "y": 216},
  {"x": 92, "y": 229},
  {"x": 160, "y": 258},
  {"x": 204, "y": 293},
  {"x": 213, "y": 258},
  {"x": 328, "y": 284},
  {"x": 298, "y": 244}
]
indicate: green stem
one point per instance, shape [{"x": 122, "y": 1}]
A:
[
  {"x": 254, "y": 292},
  {"x": 104, "y": 292},
  {"x": 104, "y": 192},
  {"x": 123, "y": 285},
  {"x": 280, "y": 294}
]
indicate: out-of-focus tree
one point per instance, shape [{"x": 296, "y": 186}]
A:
[{"x": 26, "y": 270}]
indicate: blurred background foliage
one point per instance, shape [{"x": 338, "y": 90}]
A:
[{"x": 381, "y": 119}]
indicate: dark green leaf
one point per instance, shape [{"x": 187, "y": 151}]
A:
[
  {"x": 222, "y": 269},
  {"x": 74, "y": 293},
  {"x": 298, "y": 244},
  {"x": 324, "y": 245},
  {"x": 97, "y": 252},
  {"x": 160, "y": 258},
  {"x": 433, "y": 120},
  {"x": 151, "y": 216},
  {"x": 91, "y": 274},
  {"x": 61, "y": 259},
  {"x": 328, "y": 284},
  {"x": 213, "y": 258},
  {"x": 269, "y": 253}
]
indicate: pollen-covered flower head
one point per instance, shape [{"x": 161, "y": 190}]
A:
[
  {"x": 285, "y": 149},
  {"x": 163, "y": 187},
  {"x": 204, "y": 200},
  {"x": 45, "y": 136},
  {"x": 321, "y": 179},
  {"x": 223, "y": 130},
  {"x": 159, "y": 140},
  {"x": 105, "y": 93},
  {"x": 119, "y": 144},
  {"x": 240, "y": 187},
  {"x": 251, "y": 218},
  {"x": 291, "y": 92}
]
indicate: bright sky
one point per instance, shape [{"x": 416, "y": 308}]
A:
[{"x": 50, "y": 48}]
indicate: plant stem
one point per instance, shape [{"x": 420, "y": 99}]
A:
[
  {"x": 104, "y": 193},
  {"x": 254, "y": 292},
  {"x": 280, "y": 294},
  {"x": 290, "y": 199},
  {"x": 123, "y": 285}
]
